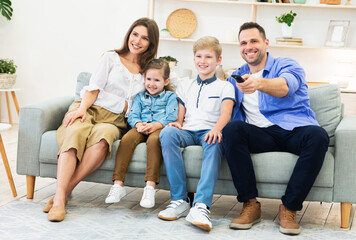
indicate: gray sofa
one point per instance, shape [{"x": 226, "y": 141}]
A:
[{"x": 37, "y": 153}]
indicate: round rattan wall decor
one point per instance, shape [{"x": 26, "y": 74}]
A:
[{"x": 181, "y": 23}]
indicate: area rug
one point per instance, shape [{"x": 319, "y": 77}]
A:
[{"x": 25, "y": 220}]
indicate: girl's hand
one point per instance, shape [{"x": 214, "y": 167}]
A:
[
  {"x": 151, "y": 127},
  {"x": 71, "y": 117},
  {"x": 213, "y": 135},
  {"x": 175, "y": 124},
  {"x": 139, "y": 126}
]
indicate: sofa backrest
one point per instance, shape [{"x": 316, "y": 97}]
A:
[
  {"x": 82, "y": 80},
  {"x": 325, "y": 101}
]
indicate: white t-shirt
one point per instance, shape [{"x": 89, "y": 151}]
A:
[
  {"x": 251, "y": 108},
  {"x": 116, "y": 84},
  {"x": 202, "y": 101}
]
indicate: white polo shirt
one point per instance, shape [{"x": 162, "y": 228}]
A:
[{"x": 202, "y": 101}]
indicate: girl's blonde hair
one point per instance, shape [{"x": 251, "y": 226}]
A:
[{"x": 159, "y": 64}]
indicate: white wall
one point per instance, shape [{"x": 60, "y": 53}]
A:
[{"x": 52, "y": 41}]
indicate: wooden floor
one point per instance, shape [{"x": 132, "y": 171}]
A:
[{"x": 325, "y": 215}]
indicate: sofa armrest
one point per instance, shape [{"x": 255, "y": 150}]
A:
[
  {"x": 345, "y": 161},
  {"x": 34, "y": 120}
]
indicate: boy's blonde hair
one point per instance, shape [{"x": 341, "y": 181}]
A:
[{"x": 208, "y": 42}]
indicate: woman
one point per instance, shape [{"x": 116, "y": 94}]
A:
[{"x": 95, "y": 121}]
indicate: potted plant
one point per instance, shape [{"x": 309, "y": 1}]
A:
[
  {"x": 172, "y": 62},
  {"x": 5, "y": 9},
  {"x": 287, "y": 23},
  {"x": 164, "y": 33},
  {"x": 7, "y": 73}
]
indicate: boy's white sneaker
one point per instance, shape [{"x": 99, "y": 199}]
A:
[
  {"x": 199, "y": 216},
  {"x": 116, "y": 193},
  {"x": 148, "y": 197},
  {"x": 175, "y": 210}
]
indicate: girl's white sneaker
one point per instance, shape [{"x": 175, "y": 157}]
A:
[
  {"x": 116, "y": 193},
  {"x": 148, "y": 197}
]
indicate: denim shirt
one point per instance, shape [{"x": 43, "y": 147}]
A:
[
  {"x": 288, "y": 112},
  {"x": 161, "y": 108}
]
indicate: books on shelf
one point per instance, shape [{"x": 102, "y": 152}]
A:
[{"x": 289, "y": 41}]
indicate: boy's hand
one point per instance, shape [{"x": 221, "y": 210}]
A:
[
  {"x": 212, "y": 135},
  {"x": 175, "y": 124}
]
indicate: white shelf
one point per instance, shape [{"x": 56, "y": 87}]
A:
[
  {"x": 347, "y": 90},
  {"x": 189, "y": 40},
  {"x": 255, "y": 3}
]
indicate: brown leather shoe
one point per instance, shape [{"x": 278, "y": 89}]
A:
[
  {"x": 56, "y": 214},
  {"x": 250, "y": 214},
  {"x": 288, "y": 222},
  {"x": 49, "y": 205}
]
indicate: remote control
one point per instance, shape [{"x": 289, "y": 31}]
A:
[{"x": 238, "y": 78}]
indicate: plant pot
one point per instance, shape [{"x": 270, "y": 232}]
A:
[
  {"x": 287, "y": 32},
  {"x": 7, "y": 80}
]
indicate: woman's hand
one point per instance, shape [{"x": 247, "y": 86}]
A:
[{"x": 71, "y": 117}]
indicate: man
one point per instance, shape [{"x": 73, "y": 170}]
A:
[{"x": 272, "y": 113}]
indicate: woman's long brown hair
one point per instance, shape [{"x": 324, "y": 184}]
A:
[{"x": 153, "y": 36}]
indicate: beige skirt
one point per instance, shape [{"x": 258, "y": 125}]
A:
[{"x": 99, "y": 124}]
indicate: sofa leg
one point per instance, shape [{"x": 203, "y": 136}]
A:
[
  {"x": 30, "y": 180},
  {"x": 345, "y": 214},
  {"x": 191, "y": 198}
]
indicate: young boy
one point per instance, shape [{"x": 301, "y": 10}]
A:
[{"x": 205, "y": 107}]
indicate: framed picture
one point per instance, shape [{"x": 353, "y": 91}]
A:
[{"x": 337, "y": 33}]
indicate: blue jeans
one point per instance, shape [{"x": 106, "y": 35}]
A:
[{"x": 172, "y": 139}]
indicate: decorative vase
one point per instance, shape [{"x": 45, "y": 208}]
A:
[
  {"x": 164, "y": 33},
  {"x": 287, "y": 32},
  {"x": 7, "y": 80},
  {"x": 220, "y": 72},
  {"x": 172, "y": 65}
]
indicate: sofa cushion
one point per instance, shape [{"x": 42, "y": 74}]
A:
[
  {"x": 270, "y": 167},
  {"x": 326, "y": 103}
]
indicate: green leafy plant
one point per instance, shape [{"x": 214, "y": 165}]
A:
[
  {"x": 169, "y": 59},
  {"x": 6, "y": 9},
  {"x": 7, "y": 66},
  {"x": 287, "y": 18}
]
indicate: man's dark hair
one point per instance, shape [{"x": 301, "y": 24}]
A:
[{"x": 249, "y": 25}]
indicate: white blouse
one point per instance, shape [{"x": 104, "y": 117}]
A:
[{"x": 115, "y": 84}]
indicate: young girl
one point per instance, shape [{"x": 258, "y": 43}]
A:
[
  {"x": 151, "y": 111},
  {"x": 95, "y": 121}
]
